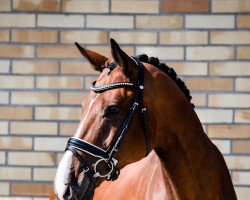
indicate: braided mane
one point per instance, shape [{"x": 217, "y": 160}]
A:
[{"x": 169, "y": 71}]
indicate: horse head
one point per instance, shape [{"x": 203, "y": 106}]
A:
[
  {"x": 111, "y": 128},
  {"x": 136, "y": 105}
]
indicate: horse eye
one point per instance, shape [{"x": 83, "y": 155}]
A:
[{"x": 111, "y": 110}]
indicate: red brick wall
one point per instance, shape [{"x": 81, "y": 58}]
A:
[{"x": 43, "y": 78}]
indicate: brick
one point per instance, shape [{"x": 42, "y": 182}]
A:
[
  {"x": 183, "y": 37},
  {"x": 237, "y": 162},
  {"x": 215, "y": 115},
  {"x": 135, "y": 6},
  {"x": 60, "y": 82},
  {"x": 229, "y": 131},
  {"x": 34, "y": 98},
  {"x": 15, "y": 143},
  {"x": 208, "y": 21},
  {"x": 210, "y": 53},
  {"x": 16, "y": 82},
  {"x": 212, "y": 84},
  {"x": 68, "y": 129},
  {"x": 184, "y": 6},
  {"x": 40, "y": 198},
  {"x": 40, "y": 5},
  {"x": 4, "y": 97},
  {"x": 44, "y": 174},
  {"x": 5, "y": 188},
  {"x": 241, "y": 178},
  {"x": 159, "y": 22},
  {"x": 88, "y": 81},
  {"x": 241, "y": 146},
  {"x": 4, "y": 35},
  {"x": 243, "y": 21},
  {"x": 50, "y": 144},
  {"x": 199, "y": 99},
  {"x": 230, "y": 68},
  {"x": 5, "y": 66},
  {"x": 5, "y": 5},
  {"x": 35, "y": 67},
  {"x": 106, "y": 51},
  {"x": 230, "y": 6},
  {"x": 86, "y": 6},
  {"x": 2, "y": 160},
  {"x": 242, "y": 192},
  {"x": 243, "y": 53},
  {"x": 85, "y": 37},
  {"x": 31, "y": 189},
  {"x": 33, "y": 128},
  {"x": 58, "y": 113},
  {"x": 223, "y": 145},
  {"x": 110, "y": 22},
  {"x": 59, "y": 157},
  {"x": 167, "y": 53},
  {"x": 11, "y": 51},
  {"x": 31, "y": 158},
  {"x": 17, "y": 198},
  {"x": 242, "y": 116},
  {"x": 62, "y": 52},
  {"x": 34, "y": 36},
  {"x": 189, "y": 68},
  {"x": 230, "y": 37},
  {"x": 236, "y": 100},
  {"x": 4, "y": 127},
  {"x": 61, "y": 21},
  {"x": 243, "y": 84},
  {"x": 16, "y": 113},
  {"x": 15, "y": 173},
  {"x": 17, "y": 20},
  {"x": 72, "y": 98},
  {"x": 135, "y": 37},
  {"x": 77, "y": 68}
]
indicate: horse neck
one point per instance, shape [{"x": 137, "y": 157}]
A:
[{"x": 196, "y": 167}]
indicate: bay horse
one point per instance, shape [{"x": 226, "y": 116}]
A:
[
  {"x": 135, "y": 106},
  {"x": 145, "y": 179}
]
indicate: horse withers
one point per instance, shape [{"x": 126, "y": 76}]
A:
[{"x": 136, "y": 105}]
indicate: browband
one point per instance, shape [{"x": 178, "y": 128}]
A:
[{"x": 98, "y": 89}]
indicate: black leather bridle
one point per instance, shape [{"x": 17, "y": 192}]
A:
[{"x": 106, "y": 156}]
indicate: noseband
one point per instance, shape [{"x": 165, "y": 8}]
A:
[{"x": 106, "y": 156}]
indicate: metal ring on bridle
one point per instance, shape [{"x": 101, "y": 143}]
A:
[{"x": 97, "y": 173}]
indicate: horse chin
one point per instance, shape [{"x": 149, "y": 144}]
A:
[{"x": 82, "y": 191}]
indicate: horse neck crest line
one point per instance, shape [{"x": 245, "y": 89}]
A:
[{"x": 107, "y": 155}]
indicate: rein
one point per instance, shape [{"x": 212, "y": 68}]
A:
[{"x": 106, "y": 156}]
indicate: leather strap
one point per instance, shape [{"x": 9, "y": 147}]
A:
[{"x": 87, "y": 148}]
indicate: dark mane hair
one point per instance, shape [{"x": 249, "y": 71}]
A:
[{"x": 169, "y": 71}]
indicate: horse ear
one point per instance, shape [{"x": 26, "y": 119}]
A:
[
  {"x": 122, "y": 59},
  {"x": 94, "y": 58}
]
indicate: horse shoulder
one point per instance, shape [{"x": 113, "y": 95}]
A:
[{"x": 145, "y": 180}]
